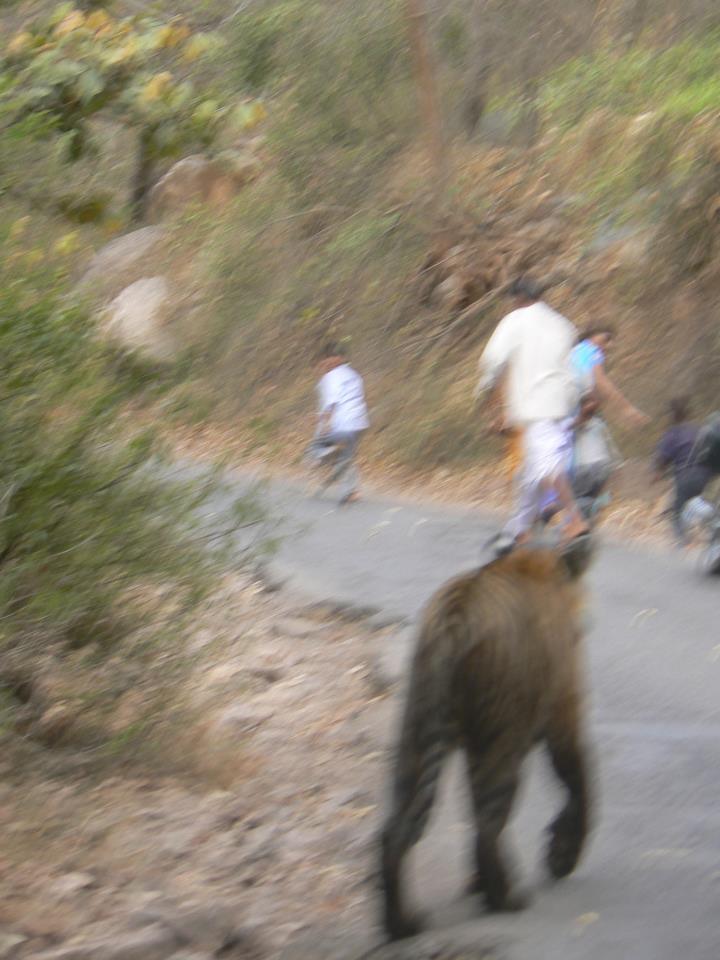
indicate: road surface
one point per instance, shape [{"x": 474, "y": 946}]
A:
[{"x": 649, "y": 886}]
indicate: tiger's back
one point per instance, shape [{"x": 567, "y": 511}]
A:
[
  {"x": 495, "y": 670},
  {"x": 489, "y": 636}
]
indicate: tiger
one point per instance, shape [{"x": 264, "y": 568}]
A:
[{"x": 496, "y": 669}]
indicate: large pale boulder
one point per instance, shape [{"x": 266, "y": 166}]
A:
[
  {"x": 199, "y": 179},
  {"x": 137, "y": 319},
  {"x": 121, "y": 262}
]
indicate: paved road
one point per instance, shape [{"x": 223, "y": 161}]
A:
[{"x": 649, "y": 888}]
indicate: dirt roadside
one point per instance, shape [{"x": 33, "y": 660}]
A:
[{"x": 259, "y": 826}]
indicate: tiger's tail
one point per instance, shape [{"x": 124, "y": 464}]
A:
[{"x": 426, "y": 739}]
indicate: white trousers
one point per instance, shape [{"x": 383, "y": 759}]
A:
[{"x": 546, "y": 450}]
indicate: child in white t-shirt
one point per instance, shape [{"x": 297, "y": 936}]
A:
[{"x": 342, "y": 419}]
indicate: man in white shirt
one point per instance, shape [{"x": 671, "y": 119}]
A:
[
  {"x": 342, "y": 419},
  {"x": 529, "y": 352}
]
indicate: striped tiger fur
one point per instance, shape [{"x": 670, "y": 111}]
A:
[{"x": 495, "y": 670}]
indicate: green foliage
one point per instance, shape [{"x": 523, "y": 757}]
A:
[
  {"x": 680, "y": 82},
  {"x": 454, "y": 38},
  {"x": 617, "y": 125},
  {"x": 257, "y": 42},
  {"x": 341, "y": 95},
  {"x": 88, "y": 516},
  {"x": 360, "y": 234},
  {"x": 62, "y": 71}
]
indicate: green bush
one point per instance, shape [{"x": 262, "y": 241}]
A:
[
  {"x": 88, "y": 515},
  {"x": 679, "y": 82},
  {"x": 341, "y": 88},
  {"x": 256, "y": 44}
]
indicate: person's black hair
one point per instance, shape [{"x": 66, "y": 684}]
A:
[
  {"x": 606, "y": 328},
  {"x": 679, "y": 408},
  {"x": 525, "y": 288},
  {"x": 331, "y": 349}
]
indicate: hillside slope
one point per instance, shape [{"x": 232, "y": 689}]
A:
[{"x": 601, "y": 176}]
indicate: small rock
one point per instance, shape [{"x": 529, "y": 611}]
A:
[
  {"x": 200, "y": 640},
  {"x": 71, "y": 884},
  {"x": 450, "y": 294},
  {"x": 641, "y": 124},
  {"x": 154, "y": 942},
  {"x": 210, "y": 926},
  {"x": 10, "y": 943},
  {"x": 54, "y": 724},
  {"x": 636, "y": 251},
  {"x": 330, "y": 943},
  {"x": 223, "y": 673},
  {"x": 296, "y": 627},
  {"x": 389, "y": 660},
  {"x": 240, "y": 718},
  {"x": 268, "y": 674},
  {"x": 234, "y": 813},
  {"x": 262, "y": 844},
  {"x": 351, "y": 797},
  {"x": 301, "y": 841},
  {"x": 187, "y": 955},
  {"x": 497, "y": 127},
  {"x": 178, "y": 843}
]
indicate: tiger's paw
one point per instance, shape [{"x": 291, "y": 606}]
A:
[
  {"x": 563, "y": 851},
  {"x": 409, "y": 925},
  {"x": 512, "y": 902}
]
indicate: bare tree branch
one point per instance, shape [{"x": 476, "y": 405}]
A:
[{"x": 428, "y": 96}]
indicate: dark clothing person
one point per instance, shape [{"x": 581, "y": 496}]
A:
[{"x": 675, "y": 451}]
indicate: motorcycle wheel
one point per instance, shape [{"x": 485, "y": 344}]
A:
[{"x": 711, "y": 555}]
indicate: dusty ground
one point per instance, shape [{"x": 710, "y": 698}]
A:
[{"x": 257, "y": 827}]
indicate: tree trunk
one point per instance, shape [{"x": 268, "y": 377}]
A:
[
  {"x": 638, "y": 18},
  {"x": 476, "y": 96},
  {"x": 143, "y": 176},
  {"x": 428, "y": 96},
  {"x": 530, "y": 111},
  {"x": 605, "y": 24}
]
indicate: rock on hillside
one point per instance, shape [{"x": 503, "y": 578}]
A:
[
  {"x": 124, "y": 279},
  {"x": 198, "y": 179},
  {"x": 137, "y": 319},
  {"x": 121, "y": 262}
]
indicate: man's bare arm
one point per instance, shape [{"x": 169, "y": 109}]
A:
[
  {"x": 323, "y": 421},
  {"x": 608, "y": 391}
]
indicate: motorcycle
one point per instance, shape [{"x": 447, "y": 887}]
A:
[
  {"x": 703, "y": 515},
  {"x": 703, "y": 512}
]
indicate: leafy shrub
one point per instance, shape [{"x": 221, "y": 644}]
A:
[
  {"x": 341, "y": 87},
  {"x": 87, "y": 512},
  {"x": 679, "y": 82},
  {"x": 69, "y": 67},
  {"x": 256, "y": 44}
]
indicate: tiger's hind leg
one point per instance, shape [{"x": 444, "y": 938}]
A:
[
  {"x": 567, "y": 753},
  {"x": 492, "y": 798},
  {"x": 418, "y": 768}
]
